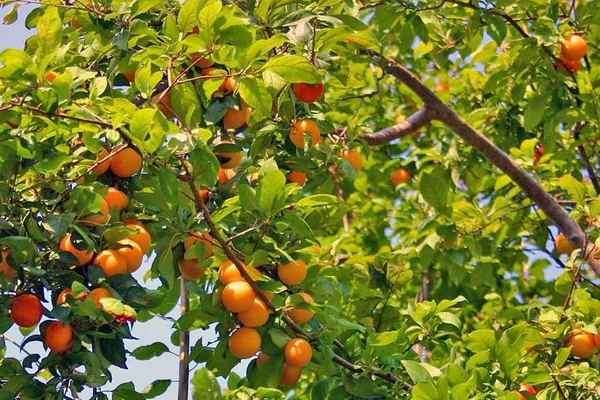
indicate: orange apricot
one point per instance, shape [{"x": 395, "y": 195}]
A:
[{"x": 82, "y": 256}]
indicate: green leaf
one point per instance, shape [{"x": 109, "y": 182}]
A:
[
  {"x": 49, "y": 36},
  {"x": 508, "y": 358},
  {"x": 383, "y": 338},
  {"x": 534, "y": 112},
  {"x": 256, "y": 95},
  {"x": 270, "y": 193},
  {"x": 205, "y": 165},
  {"x": 450, "y": 319},
  {"x": 416, "y": 371},
  {"x": 186, "y": 105},
  {"x": 435, "y": 191},
  {"x": 292, "y": 69},
  {"x": 114, "y": 351},
  {"x": 480, "y": 340},
  {"x": 564, "y": 282},
  {"x": 156, "y": 388},
  {"x": 186, "y": 19},
  {"x": 574, "y": 188},
  {"x": 11, "y": 16},
  {"x": 424, "y": 390},
  {"x": 562, "y": 355},
  {"x": 150, "y": 351},
  {"x": 497, "y": 29},
  {"x": 298, "y": 225},
  {"x": 209, "y": 14}
]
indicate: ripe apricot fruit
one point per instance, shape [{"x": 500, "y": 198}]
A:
[
  {"x": 125, "y": 163},
  {"x": 83, "y": 256},
  {"x": 244, "y": 342},
  {"x": 163, "y": 103},
  {"x": 306, "y": 92},
  {"x": 130, "y": 76},
  {"x": 5, "y": 269},
  {"x": 292, "y": 273},
  {"x": 299, "y": 178},
  {"x": 441, "y": 87},
  {"x": 290, "y": 375},
  {"x": 568, "y": 66},
  {"x": 111, "y": 262},
  {"x": 562, "y": 244},
  {"x": 204, "y": 194},
  {"x": 200, "y": 237},
  {"x": 62, "y": 296},
  {"x": 99, "y": 217},
  {"x": 50, "y": 76},
  {"x": 116, "y": 198},
  {"x": 76, "y": 24},
  {"x": 141, "y": 237},
  {"x": 227, "y": 158},
  {"x": 354, "y": 158},
  {"x": 400, "y": 175},
  {"x": 582, "y": 344},
  {"x": 26, "y": 310},
  {"x": 297, "y": 352},
  {"x": 228, "y": 85},
  {"x": 225, "y": 175},
  {"x": 261, "y": 359},
  {"x": 132, "y": 252},
  {"x": 302, "y": 126},
  {"x": 189, "y": 269},
  {"x": 235, "y": 119},
  {"x": 100, "y": 293},
  {"x": 574, "y": 48},
  {"x": 525, "y": 388},
  {"x": 59, "y": 337},
  {"x": 228, "y": 273},
  {"x": 238, "y": 296},
  {"x": 301, "y": 315},
  {"x": 101, "y": 164},
  {"x": 200, "y": 61},
  {"x": 255, "y": 316}
]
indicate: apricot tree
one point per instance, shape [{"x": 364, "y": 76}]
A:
[{"x": 361, "y": 197}]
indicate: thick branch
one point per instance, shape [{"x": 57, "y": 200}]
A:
[
  {"x": 496, "y": 156},
  {"x": 404, "y": 128}
]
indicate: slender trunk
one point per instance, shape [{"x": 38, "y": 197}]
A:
[{"x": 184, "y": 347}]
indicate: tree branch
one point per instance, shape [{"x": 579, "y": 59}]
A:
[
  {"x": 184, "y": 347},
  {"x": 440, "y": 111},
  {"x": 411, "y": 124},
  {"x": 226, "y": 247}
]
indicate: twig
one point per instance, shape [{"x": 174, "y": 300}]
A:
[
  {"x": 584, "y": 156},
  {"x": 341, "y": 197}
]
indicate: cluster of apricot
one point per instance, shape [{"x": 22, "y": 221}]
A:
[
  {"x": 124, "y": 257},
  {"x": 239, "y": 297},
  {"x": 572, "y": 51}
]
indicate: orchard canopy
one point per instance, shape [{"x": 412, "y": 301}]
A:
[{"x": 380, "y": 200}]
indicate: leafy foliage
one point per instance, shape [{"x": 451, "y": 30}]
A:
[{"x": 445, "y": 287}]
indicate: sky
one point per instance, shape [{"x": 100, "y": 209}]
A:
[{"x": 141, "y": 373}]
